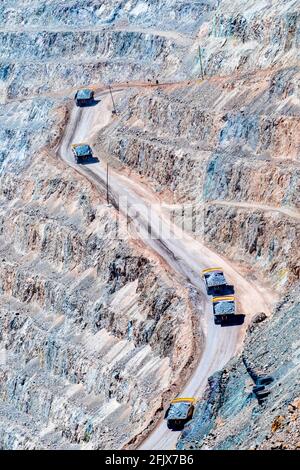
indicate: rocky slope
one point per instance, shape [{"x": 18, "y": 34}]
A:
[
  {"x": 226, "y": 150},
  {"x": 92, "y": 335},
  {"x": 228, "y": 147},
  {"x": 100, "y": 332},
  {"x": 92, "y": 326},
  {"x": 251, "y": 196}
]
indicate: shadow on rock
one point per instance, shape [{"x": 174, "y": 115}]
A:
[
  {"x": 89, "y": 161},
  {"x": 234, "y": 320},
  {"x": 89, "y": 104}
]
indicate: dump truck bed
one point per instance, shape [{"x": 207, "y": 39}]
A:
[
  {"x": 215, "y": 279},
  {"x": 179, "y": 410},
  {"x": 224, "y": 305},
  {"x": 81, "y": 150},
  {"x": 84, "y": 94}
]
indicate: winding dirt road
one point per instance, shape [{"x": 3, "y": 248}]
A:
[{"x": 184, "y": 255}]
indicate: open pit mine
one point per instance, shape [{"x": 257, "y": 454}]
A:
[{"x": 149, "y": 224}]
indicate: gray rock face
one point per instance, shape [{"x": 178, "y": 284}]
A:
[
  {"x": 71, "y": 375},
  {"x": 83, "y": 46},
  {"x": 269, "y": 240},
  {"x": 257, "y": 319},
  {"x": 24, "y": 129},
  {"x": 185, "y": 17},
  {"x": 91, "y": 328},
  {"x": 50, "y": 46}
]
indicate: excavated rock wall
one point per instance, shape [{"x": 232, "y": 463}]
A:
[
  {"x": 248, "y": 37},
  {"x": 202, "y": 129},
  {"x": 204, "y": 159},
  {"x": 270, "y": 240},
  {"x": 60, "y": 59},
  {"x": 186, "y": 17},
  {"x": 92, "y": 335},
  {"x": 229, "y": 146},
  {"x": 111, "y": 41},
  {"x": 232, "y": 138}
]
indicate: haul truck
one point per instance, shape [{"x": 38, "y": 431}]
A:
[
  {"x": 84, "y": 97},
  {"x": 223, "y": 308},
  {"x": 179, "y": 412},
  {"x": 82, "y": 152}
]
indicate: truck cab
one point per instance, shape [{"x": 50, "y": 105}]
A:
[
  {"x": 180, "y": 411},
  {"x": 214, "y": 280},
  {"x": 82, "y": 152},
  {"x": 223, "y": 308},
  {"x": 84, "y": 97}
]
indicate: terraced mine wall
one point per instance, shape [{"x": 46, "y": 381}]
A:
[
  {"x": 239, "y": 170},
  {"x": 185, "y": 18},
  {"x": 92, "y": 336},
  {"x": 95, "y": 333},
  {"x": 232, "y": 143},
  {"x": 68, "y": 58}
]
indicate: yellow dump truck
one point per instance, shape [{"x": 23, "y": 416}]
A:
[
  {"x": 179, "y": 412},
  {"x": 84, "y": 97},
  {"x": 223, "y": 308},
  {"x": 82, "y": 152}
]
